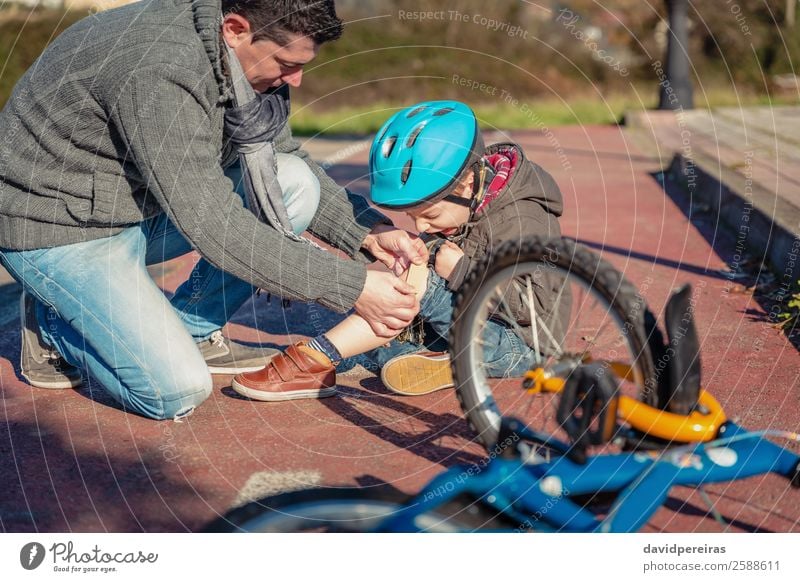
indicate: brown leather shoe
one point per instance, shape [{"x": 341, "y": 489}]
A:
[{"x": 299, "y": 372}]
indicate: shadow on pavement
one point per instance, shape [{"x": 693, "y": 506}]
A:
[
  {"x": 406, "y": 426},
  {"x": 686, "y": 508},
  {"x": 52, "y": 484},
  {"x": 745, "y": 275},
  {"x": 653, "y": 259},
  {"x": 271, "y": 316}
]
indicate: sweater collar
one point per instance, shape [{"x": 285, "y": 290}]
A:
[{"x": 207, "y": 15}]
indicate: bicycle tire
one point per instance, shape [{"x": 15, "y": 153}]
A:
[
  {"x": 600, "y": 277},
  {"x": 351, "y": 510}
]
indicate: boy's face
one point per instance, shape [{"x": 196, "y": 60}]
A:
[{"x": 443, "y": 217}]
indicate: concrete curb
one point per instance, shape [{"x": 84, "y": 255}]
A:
[{"x": 764, "y": 224}]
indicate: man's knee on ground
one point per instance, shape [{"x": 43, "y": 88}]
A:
[{"x": 179, "y": 399}]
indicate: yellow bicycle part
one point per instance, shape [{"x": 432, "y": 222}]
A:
[
  {"x": 696, "y": 427},
  {"x": 538, "y": 380}
]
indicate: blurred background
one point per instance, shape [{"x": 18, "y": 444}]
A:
[{"x": 520, "y": 64}]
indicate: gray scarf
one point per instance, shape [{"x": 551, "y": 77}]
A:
[{"x": 252, "y": 125}]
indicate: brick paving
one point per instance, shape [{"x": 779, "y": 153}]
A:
[{"x": 72, "y": 461}]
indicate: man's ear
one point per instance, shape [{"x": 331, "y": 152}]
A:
[{"x": 236, "y": 30}]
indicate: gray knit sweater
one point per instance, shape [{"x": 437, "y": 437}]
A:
[{"x": 121, "y": 118}]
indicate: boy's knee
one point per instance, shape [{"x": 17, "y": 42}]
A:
[
  {"x": 417, "y": 276},
  {"x": 436, "y": 303}
]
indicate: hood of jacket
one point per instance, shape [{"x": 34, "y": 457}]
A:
[
  {"x": 207, "y": 17},
  {"x": 529, "y": 181}
]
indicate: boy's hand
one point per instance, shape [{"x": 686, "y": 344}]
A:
[
  {"x": 396, "y": 248},
  {"x": 447, "y": 258}
]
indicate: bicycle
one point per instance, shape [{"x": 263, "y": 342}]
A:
[{"x": 668, "y": 429}]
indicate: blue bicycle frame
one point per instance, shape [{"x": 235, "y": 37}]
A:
[{"x": 539, "y": 494}]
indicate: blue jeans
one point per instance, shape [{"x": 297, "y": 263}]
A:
[
  {"x": 99, "y": 307},
  {"x": 505, "y": 353}
]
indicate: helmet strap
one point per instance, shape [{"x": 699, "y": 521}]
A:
[
  {"x": 478, "y": 182},
  {"x": 459, "y": 200},
  {"x": 478, "y": 179}
]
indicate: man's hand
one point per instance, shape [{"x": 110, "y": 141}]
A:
[
  {"x": 447, "y": 258},
  {"x": 396, "y": 248},
  {"x": 387, "y": 303}
]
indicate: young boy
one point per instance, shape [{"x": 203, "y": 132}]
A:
[{"x": 429, "y": 161}]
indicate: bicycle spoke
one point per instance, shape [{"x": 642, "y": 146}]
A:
[
  {"x": 532, "y": 310},
  {"x": 537, "y": 322},
  {"x": 527, "y": 299}
]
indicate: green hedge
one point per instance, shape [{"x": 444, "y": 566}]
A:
[{"x": 23, "y": 37}]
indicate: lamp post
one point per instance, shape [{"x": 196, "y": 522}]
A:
[{"x": 677, "y": 71}]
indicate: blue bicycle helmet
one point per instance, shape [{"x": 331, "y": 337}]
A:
[{"x": 421, "y": 152}]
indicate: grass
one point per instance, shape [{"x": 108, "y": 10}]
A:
[
  {"x": 535, "y": 112},
  {"x": 789, "y": 315},
  {"x": 23, "y": 35}
]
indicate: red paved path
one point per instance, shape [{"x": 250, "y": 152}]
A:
[{"x": 71, "y": 463}]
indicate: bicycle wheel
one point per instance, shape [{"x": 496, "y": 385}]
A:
[
  {"x": 557, "y": 306},
  {"x": 349, "y": 510}
]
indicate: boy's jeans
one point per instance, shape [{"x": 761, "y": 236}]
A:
[
  {"x": 101, "y": 310},
  {"x": 505, "y": 353}
]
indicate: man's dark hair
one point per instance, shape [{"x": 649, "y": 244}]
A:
[{"x": 276, "y": 20}]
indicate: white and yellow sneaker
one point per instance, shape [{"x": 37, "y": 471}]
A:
[{"x": 418, "y": 373}]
